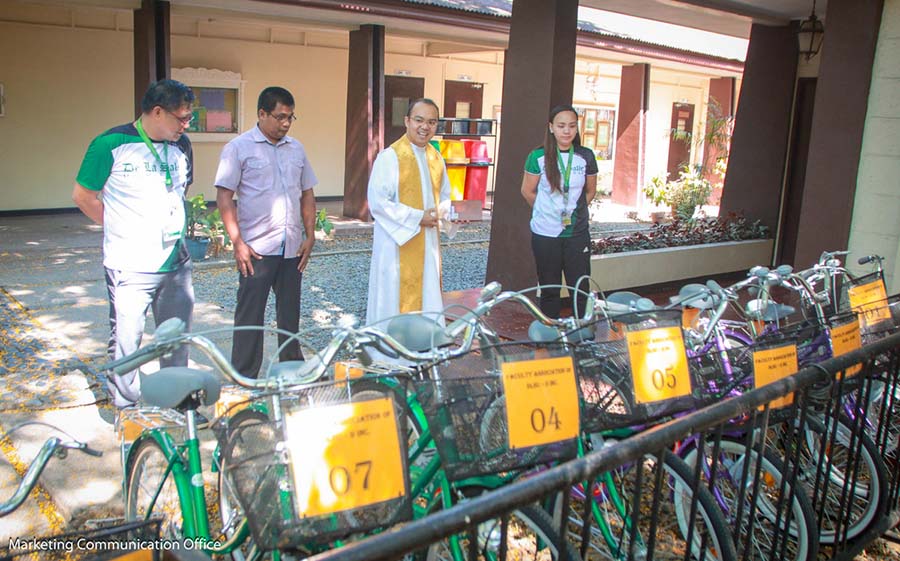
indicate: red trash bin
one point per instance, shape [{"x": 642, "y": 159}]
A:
[{"x": 476, "y": 171}]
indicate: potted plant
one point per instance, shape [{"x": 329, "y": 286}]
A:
[
  {"x": 205, "y": 229},
  {"x": 681, "y": 195},
  {"x": 323, "y": 224},
  {"x": 696, "y": 182}
]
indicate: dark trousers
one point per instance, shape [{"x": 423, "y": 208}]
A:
[
  {"x": 555, "y": 255},
  {"x": 272, "y": 272}
]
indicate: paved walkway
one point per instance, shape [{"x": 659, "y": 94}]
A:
[{"x": 53, "y": 327}]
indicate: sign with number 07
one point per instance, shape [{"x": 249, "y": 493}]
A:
[
  {"x": 658, "y": 364},
  {"x": 541, "y": 401},
  {"x": 344, "y": 456}
]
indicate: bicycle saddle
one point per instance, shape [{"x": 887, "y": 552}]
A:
[
  {"x": 690, "y": 293},
  {"x": 760, "y": 310},
  {"x": 624, "y": 297},
  {"x": 172, "y": 386},
  {"x": 540, "y": 333},
  {"x": 418, "y": 333}
]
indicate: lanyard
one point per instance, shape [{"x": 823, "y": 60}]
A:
[
  {"x": 567, "y": 172},
  {"x": 146, "y": 139}
]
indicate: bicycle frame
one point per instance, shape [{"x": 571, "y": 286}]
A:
[{"x": 185, "y": 466}]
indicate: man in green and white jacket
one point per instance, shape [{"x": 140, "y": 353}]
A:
[{"x": 132, "y": 181}]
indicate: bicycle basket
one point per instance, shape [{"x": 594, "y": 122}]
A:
[
  {"x": 652, "y": 342},
  {"x": 810, "y": 335},
  {"x": 105, "y": 543},
  {"x": 312, "y": 476},
  {"x": 465, "y": 400}
]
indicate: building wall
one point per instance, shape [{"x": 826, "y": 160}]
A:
[
  {"x": 68, "y": 75},
  {"x": 875, "y": 226},
  {"x": 62, "y": 88},
  {"x": 317, "y": 78}
]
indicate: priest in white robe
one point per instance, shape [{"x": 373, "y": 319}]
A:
[{"x": 408, "y": 194}]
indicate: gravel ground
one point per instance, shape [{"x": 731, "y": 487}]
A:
[{"x": 336, "y": 281}]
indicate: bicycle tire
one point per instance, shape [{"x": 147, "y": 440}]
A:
[
  {"x": 146, "y": 469},
  {"x": 711, "y": 536},
  {"x": 767, "y": 541},
  {"x": 230, "y": 511},
  {"x": 883, "y": 417},
  {"x": 531, "y": 535},
  {"x": 869, "y": 492}
]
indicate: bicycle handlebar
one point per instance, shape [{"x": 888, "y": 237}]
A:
[
  {"x": 53, "y": 446},
  {"x": 866, "y": 259},
  {"x": 170, "y": 335}
]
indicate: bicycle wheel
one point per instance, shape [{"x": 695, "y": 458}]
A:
[
  {"x": 660, "y": 518},
  {"x": 848, "y": 486},
  {"x": 148, "y": 474},
  {"x": 530, "y": 535},
  {"x": 852, "y": 494},
  {"x": 230, "y": 510},
  {"x": 777, "y": 532},
  {"x": 883, "y": 417}
]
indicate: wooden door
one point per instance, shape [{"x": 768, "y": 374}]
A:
[
  {"x": 399, "y": 91},
  {"x": 462, "y": 100},
  {"x": 680, "y": 137}
]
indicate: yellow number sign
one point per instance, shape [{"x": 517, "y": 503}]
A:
[
  {"x": 344, "y": 456},
  {"x": 771, "y": 365},
  {"x": 541, "y": 401},
  {"x": 658, "y": 364},
  {"x": 870, "y": 301},
  {"x": 846, "y": 338}
]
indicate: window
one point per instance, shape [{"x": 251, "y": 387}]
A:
[{"x": 217, "y": 103}]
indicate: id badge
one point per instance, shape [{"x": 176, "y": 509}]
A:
[
  {"x": 171, "y": 231},
  {"x": 566, "y": 219},
  {"x": 170, "y": 237}
]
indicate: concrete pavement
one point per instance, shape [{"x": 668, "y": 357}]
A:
[{"x": 53, "y": 327}]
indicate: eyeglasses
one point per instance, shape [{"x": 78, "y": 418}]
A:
[
  {"x": 419, "y": 121},
  {"x": 282, "y": 117},
  {"x": 184, "y": 120}
]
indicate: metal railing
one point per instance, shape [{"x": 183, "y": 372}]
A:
[{"x": 834, "y": 448}]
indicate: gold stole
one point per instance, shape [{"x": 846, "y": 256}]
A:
[{"x": 412, "y": 253}]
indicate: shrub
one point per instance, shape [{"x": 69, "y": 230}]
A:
[{"x": 679, "y": 233}]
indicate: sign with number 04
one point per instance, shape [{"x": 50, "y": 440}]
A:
[
  {"x": 658, "y": 364},
  {"x": 541, "y": 401},
  {"x": 344, "y": 456}
]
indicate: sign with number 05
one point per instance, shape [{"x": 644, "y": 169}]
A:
[
  {"x": 344, "y": 456},
  {"x": 541, "y": 401},
  {"x": 658, "y": 364}
]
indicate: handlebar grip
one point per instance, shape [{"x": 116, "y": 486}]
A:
[
  {"x": 868, "y": 259},
  {"x": 90, "y": 451}
]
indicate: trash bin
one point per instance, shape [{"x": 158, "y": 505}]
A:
[
  {"x": 477, "y": 171},
  {"x": 454, "y": 153}
]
